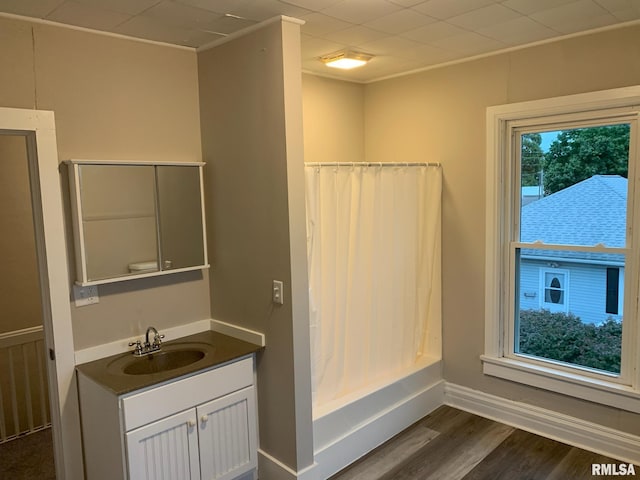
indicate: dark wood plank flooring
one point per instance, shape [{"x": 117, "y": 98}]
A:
[{"x": 451, "y": 444}]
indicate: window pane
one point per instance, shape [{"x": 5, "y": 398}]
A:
[
  {"x": 574, "y": 186},
  {"x": 562, "y": 307}
]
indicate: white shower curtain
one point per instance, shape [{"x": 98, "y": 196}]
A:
[{"x": 373, "y": 247}]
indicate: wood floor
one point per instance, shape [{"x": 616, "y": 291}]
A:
[{"x": 451, "y": 444}]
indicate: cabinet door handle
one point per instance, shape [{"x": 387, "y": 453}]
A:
[
  {"x": 204, "y": 418},
  {"x": 191, "y": 423}
]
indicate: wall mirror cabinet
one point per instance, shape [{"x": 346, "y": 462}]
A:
[{"x": 136, "y": 219}]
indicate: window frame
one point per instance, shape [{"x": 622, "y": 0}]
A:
[{"x": 499, "y": 359}]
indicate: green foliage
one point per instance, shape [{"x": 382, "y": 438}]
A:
[
  {"x": 581, "y": 153},
  {"x": 531, "y": 159},
  {"x": 563, "y": 337}
]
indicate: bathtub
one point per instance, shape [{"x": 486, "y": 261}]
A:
[{"x": 349, "y": 427}]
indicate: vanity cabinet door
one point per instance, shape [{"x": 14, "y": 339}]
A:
[
  {"x": 166, "y": 449},
  {"x": 228, "y": 436}
]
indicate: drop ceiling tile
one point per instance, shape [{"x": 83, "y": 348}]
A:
[
  {"x": 400, "y": 21},
  {"x": 518, "y": 31},
  {"x": 313, "y": 47},
  {"x": 181, "y": 15},
  {"x": 30, "y": 8},
  {"x": 354, "y": 36},
  {"x": 313, "y": 5},
  {"x": 469, "y": 43},
  {"x": 483, "y": 17},
  {"x": 319, "y": 24},
  {"x": 429, "y": 55},
  {"x": 389, "y": 46},
  {"x": 361, "y": 11},
  {"x": 227, "y": 25},
  {"x": 129, "y": 7},
  {"x": 152, "y": 29},
  {"x": 218, "y": 6},
  {"x": 527, "y": 7},
  {"x": 433, "y": 32},
  {"x": 406, "y": 3},
  {"x": 623, "y": 10},
  {"x": 443, "y": 9},
  {"x": 260, "y": 10},
  {"x": 87, "y": 16},
  {"x": 573, "y": 17}
]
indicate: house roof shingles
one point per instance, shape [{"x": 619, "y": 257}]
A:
[{"x": 588, "y": 213}]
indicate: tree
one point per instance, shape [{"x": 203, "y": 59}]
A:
[
  {"x": 531, "y": 159},
  {"x": 581, "y": 153}
]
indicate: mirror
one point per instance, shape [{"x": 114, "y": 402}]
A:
[{"x": 133, "y": 220}]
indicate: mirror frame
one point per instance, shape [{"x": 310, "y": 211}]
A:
[{"x": 78, "y": 230}]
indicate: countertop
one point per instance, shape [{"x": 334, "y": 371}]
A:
[{"x": 219, "y": 349}]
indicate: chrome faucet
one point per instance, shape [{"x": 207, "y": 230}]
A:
[{"x": 148, "y": 346}]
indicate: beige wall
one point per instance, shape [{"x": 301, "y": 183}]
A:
[
  {"x": 333, "y": 120},
  {"x": 19, "y": 282},
  {"x": 119, "y": 99},
  {"x": 439, "y": 115},
  {"x": 250, "y": 97}
]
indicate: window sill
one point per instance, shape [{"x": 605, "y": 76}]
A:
[{"x": 571, "y": 384}]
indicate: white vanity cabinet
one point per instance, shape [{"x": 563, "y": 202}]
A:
[{"x": 198, "y": 427}]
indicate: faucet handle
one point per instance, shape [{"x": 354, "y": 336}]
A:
[
  {"x": 157, "y": 339},
  {"x": 138, "y": 345}
]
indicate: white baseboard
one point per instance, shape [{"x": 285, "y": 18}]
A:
[
  {"x": 547, "y": 423},
  {"x": 270, "y": 468}
]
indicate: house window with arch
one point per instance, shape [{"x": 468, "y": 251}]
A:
[{"x": 554, "y": 290}]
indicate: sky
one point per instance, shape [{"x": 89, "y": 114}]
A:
[{"x": 547, "y": 139}]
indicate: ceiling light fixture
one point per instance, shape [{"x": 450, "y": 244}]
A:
[{"x": 345, "y": 59}]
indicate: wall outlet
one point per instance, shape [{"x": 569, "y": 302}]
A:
[
  {"x": 85, "y": 295},
  {"x": 278, "y": 292}
]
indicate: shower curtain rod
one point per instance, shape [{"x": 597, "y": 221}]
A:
[{"x": 373, "y": 164}]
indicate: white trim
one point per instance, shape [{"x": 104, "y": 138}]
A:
[
  {"x": 245, "y": 31},
  {"x": 565, "y": 382},
  {"x": 119, "y": 346},
  {"x": 270, "y": 468},
  {"x": 563, "y": 428},
  {"x": 77, "y": 161},
  {"x": 38, "y": 126},
  {"x": 42, "y": 21},
  {"x": 122, "y": 345},
  {"x": 239, "y": 332}
]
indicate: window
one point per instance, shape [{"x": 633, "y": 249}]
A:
[
  {"x": 554, "y": 286},
  {"x": 570, "y": 242}
]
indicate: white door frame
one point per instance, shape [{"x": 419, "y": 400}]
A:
[{"x": 38, "y": 126}]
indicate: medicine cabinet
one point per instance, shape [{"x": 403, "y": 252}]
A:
[{"x": 136, "y": 219}]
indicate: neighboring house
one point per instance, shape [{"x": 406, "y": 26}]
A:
[
  {"x": 589, "y": 285},
  {"x": 531, "y": 194}
]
